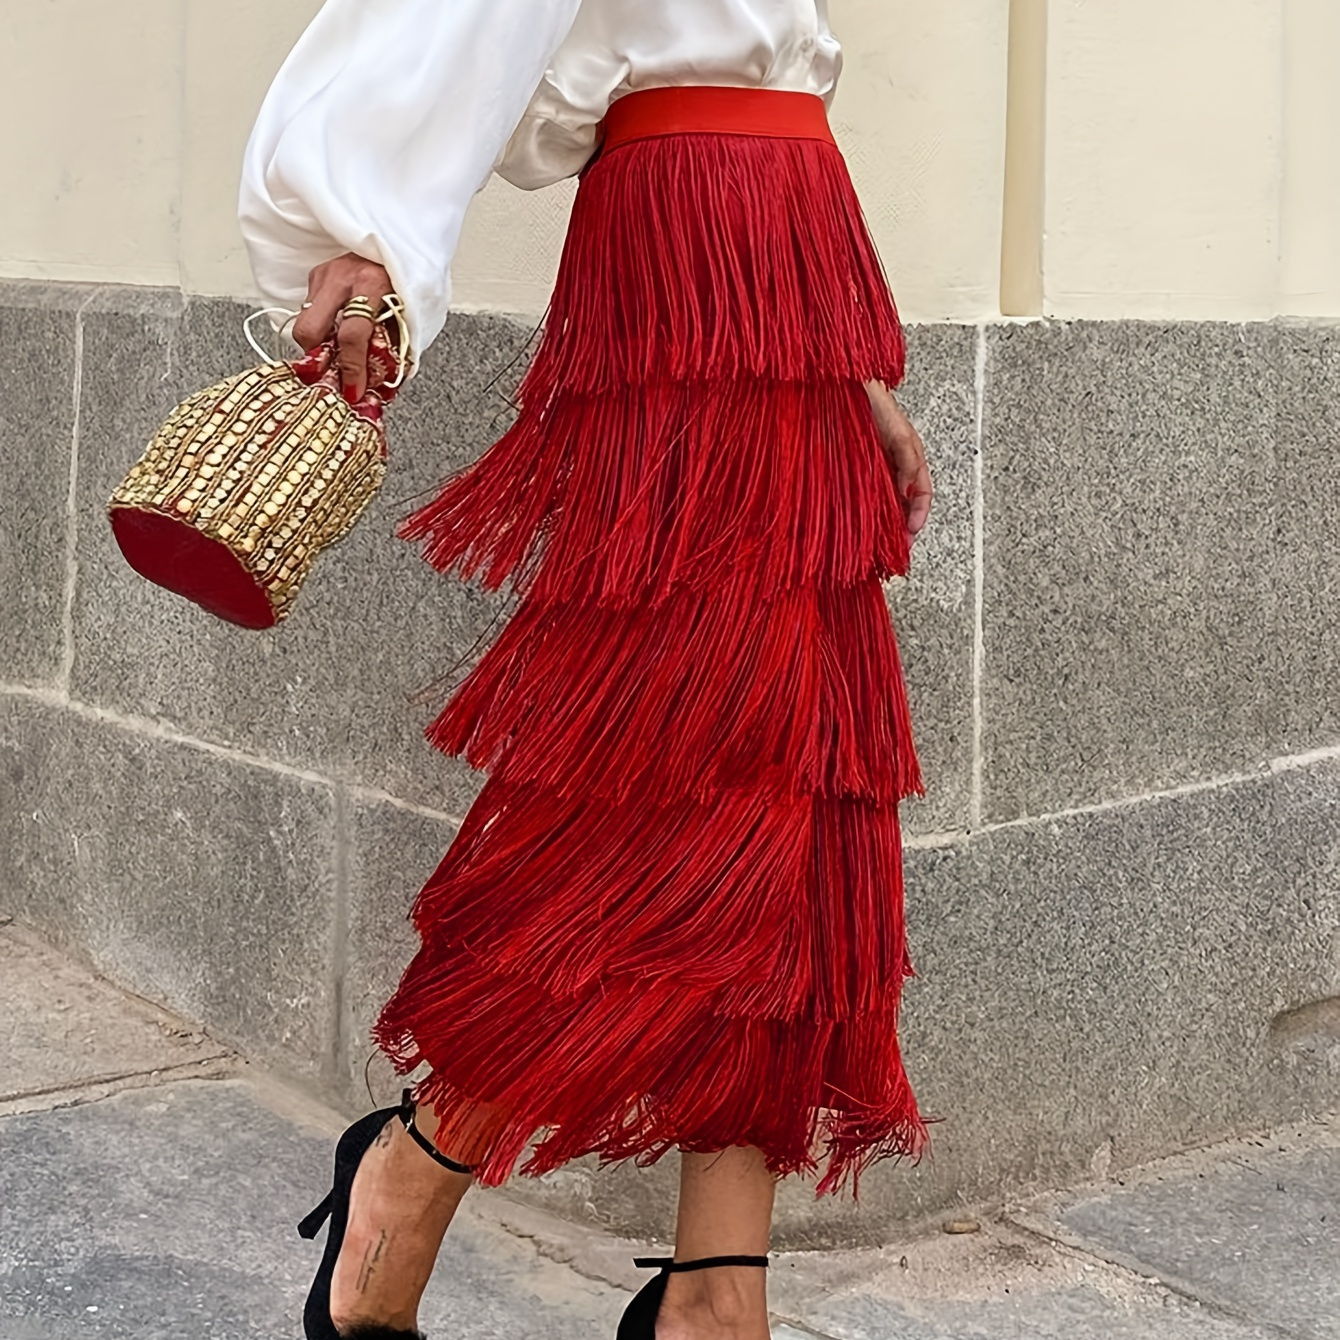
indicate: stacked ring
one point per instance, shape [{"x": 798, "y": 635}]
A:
[{"x": 360, "y": 306}]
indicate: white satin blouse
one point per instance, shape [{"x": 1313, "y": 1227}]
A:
[{"x": 389, "y": 115}]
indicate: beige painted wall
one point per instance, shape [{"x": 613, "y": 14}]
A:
[
  {"x": 1310, "y": 204},
  {"x": 1187, "y": 153},
  {"x": 92, "y": 107},
  {"x": 127, "y": 125},
  {"x": 1163, "y": 158},
  {"x": 1193, "y": 159}
]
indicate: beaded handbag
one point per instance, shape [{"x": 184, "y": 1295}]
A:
[{"x": 248, "y": 481}]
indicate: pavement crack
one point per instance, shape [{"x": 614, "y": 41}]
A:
[
  {"x": 1064, "y": 1240},
  {"x": 801, "y": 1328},
  {"x": 96, "y": 1088}
]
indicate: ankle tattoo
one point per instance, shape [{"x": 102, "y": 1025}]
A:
[{"x": 371, "y": 1259}]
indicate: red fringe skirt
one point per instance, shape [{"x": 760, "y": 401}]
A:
[{"x": 674, "y": 915}]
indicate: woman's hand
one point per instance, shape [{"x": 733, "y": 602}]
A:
[
  {"x": 329, "y": 287},
  {"x": 906, "y": 455}
]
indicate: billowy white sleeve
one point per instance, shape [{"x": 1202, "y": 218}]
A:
[{"x": 383, "y": 123}]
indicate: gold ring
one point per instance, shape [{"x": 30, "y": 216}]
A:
[{"x": 362, "y": 307}]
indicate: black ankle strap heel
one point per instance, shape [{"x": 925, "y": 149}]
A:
[
  {"x": 639, "y": 1319},
  {"x": 406, "y": 1115},
  {"x": 673, "y": 1267},
  {"x": 353, "y": 1144}
]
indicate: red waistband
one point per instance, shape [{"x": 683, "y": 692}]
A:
[{"x": 701, "y": 110}]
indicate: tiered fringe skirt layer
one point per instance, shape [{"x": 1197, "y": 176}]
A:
[{"x": 674, "y": 915}]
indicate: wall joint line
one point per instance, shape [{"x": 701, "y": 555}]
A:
[
  {"x": 65, "y": 673},
  {"x": 339, "y": 945},
  {"x": 975, "y": 803}
]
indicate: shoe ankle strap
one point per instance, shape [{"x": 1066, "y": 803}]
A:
[
  {"x": 406, "y": 1115},
  {"x": 670, "y": 1266}
]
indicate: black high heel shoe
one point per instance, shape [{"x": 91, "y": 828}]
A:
[
  {"x": 639, "y": 1319},
  {"x": 354, "y": 1143}
]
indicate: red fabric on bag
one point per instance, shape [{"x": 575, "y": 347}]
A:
[
  {"x": 175, "y": 555},
  {"x": 674, "y": 915}
]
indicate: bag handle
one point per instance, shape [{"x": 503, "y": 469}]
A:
[{"x": 265, "y": 355}]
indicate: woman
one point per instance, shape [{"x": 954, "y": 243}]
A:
[{"x": 673, "y": 918}]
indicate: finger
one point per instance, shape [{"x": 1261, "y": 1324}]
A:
[
  {"x": 918, "y": 501},
  {"x": 353, "y": 338},
  {"x": 908, "y": 457},
  {"x": 326, "y": 294}
]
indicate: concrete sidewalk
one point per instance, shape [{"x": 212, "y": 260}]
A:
[{"x": 150, "y": 1181}]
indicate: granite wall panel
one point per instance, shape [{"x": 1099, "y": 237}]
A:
[
  {"x": 1127, "y": 582},
  {"x": 204, "y": 883},
  {"x": 36, "y": 434}
]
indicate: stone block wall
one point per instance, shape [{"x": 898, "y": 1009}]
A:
[{"x": 1120, "y": 636}]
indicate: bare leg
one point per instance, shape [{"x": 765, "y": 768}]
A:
[
  {"x": 725, "y": 1209},
  {"x": 399, "y": 1210}
]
